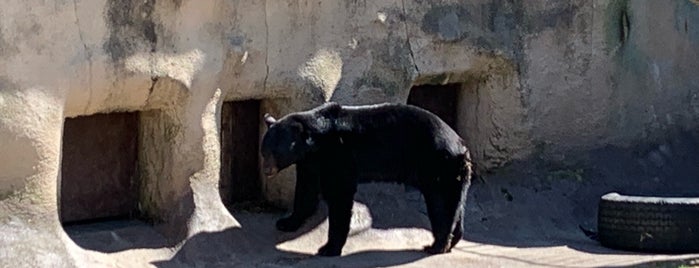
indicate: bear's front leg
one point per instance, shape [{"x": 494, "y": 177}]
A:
[
  {"x": 339, "y": 215},
  {"x": 305, "y": 200}
]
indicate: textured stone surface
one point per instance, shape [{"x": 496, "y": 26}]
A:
[{"x": 541, "y": 79}]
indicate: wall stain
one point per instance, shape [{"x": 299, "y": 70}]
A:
[
  {"x": 618, "y": 23},
  {"x": 132, "y": 28},
  {"x": 687, "y": 19},
  {"x": 620, "y": 41},
  {"x": 6, "y": 84},
  {"x": 7, "y": 49},
  {"x": 391, "y": 69},
  {"x": 498, "y": 24},
  {"x": 560, "y": 16}
]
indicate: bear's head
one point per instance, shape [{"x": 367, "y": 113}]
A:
[{"x": 285, "y": 142}]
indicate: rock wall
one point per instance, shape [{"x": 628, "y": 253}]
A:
[{"x": 540, "y": 78}]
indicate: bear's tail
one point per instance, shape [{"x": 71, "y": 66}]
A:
[{"x": 465, "y": 166}]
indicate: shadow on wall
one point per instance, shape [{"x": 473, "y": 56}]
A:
[{"x": 541, "y": 203}]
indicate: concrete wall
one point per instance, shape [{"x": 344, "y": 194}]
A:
[{"x": 541, "y": 78}]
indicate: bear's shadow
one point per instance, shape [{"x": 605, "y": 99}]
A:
[
  {"x": 237, "y": 247},
  {"x": 256, "y": 242},
  {"x": 378, "y": 206}
]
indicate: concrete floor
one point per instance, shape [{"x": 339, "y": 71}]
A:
[
  {"x": 257, "y": 244},
  {"x": 526, "y": 215}
]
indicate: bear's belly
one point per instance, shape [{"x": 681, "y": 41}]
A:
[{"x": 399, "y": 176}]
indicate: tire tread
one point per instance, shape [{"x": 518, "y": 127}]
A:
[{"x": 648, "y": 224}]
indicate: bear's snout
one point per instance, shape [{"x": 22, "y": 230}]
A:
[
  {"x": 270, "y": 171},
  {"x": 269, "y": 167}
]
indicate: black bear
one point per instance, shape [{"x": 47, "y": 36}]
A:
[{"x": 335, "y": 147}]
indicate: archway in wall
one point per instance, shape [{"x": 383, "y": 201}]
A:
[
  {"x": 240, "y": 181},
  {"x": 100, "y": 180},
  {"x": 99, "y": 168},
  {"x": 441, "y": 100}
]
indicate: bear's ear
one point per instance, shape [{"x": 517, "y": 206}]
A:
[
  {"x": 297, "y": 124},
  {"x": 269, "y": 120}
]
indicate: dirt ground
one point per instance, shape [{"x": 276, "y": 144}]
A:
[{"x": 525, "y": 215}]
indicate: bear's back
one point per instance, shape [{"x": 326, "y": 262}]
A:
[
  {"x": 394, "y": 140},
  {"x": 406, "y": 120}
]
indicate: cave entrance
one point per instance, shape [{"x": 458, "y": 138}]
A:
[
  {"x": 240, "y": 134},
  {"x": 441, "y": 100},
  {"x": 99, "y": 167}
]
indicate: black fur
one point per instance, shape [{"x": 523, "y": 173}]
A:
[{"x": 335, "y": 147}]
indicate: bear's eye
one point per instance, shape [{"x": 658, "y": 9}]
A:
[{"x": 293, "y": 144}]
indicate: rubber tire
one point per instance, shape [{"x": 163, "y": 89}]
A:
[{"x": 649, "y": 224}]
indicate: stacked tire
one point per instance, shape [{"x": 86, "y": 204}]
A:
[{"x": 649, "y": 224}]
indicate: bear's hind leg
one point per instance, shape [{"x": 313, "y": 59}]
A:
[
  {"x": 458, "y": 232},
  {"x": 442, "y": 208}
]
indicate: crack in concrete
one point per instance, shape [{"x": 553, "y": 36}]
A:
[
  {"x": 89, "y": 55},
  {"x": 154, "y": 80},
  {"x": 407, "y": 38},
  {"x": 264, "y": 83}
]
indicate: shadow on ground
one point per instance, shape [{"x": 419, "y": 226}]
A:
[
  {"x": 541, "y": 203},
  {"x": 255, "y": 244},
  {"x": 116, "y": 235}
]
